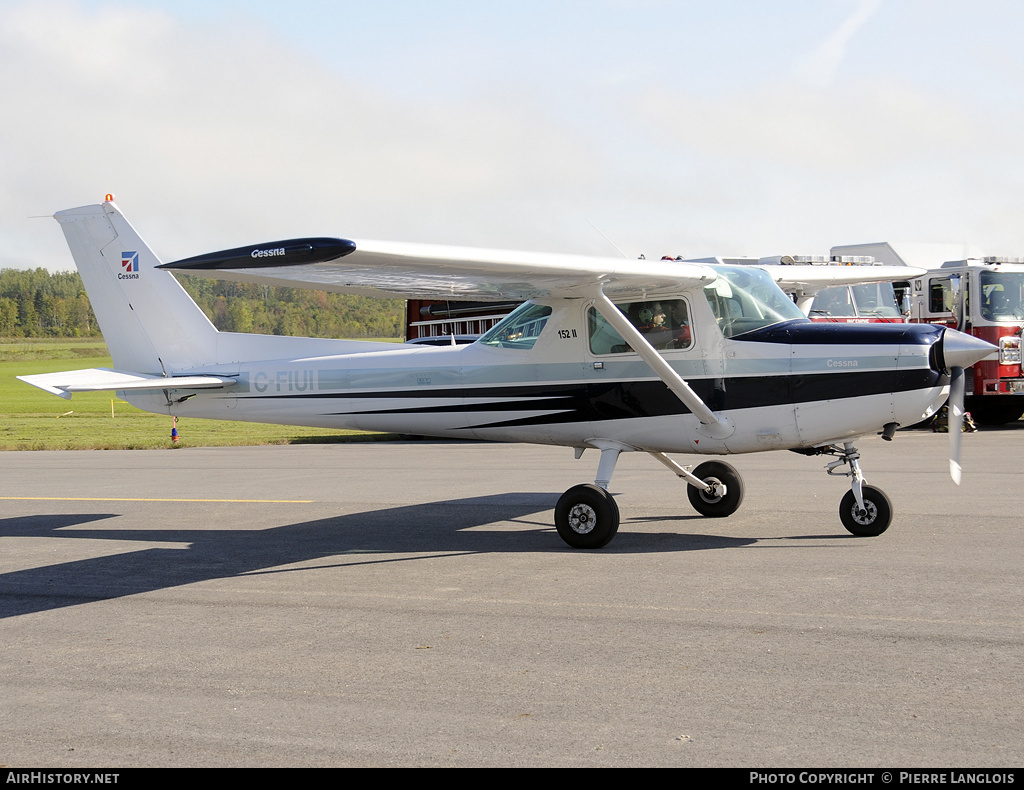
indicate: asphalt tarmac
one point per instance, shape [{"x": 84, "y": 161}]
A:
[{"x": 410, "y": 604}]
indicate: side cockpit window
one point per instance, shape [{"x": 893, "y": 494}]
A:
[
  {"x": 520, "y": 329},
  {"x": 664, "y": 323}
]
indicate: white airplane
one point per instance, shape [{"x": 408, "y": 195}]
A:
[{"x": 614, "y": 355}]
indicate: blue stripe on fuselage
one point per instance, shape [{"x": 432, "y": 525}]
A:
[{"x": 809, "y": 333}]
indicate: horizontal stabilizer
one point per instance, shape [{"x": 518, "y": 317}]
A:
[{"x": 100, "y": 379}]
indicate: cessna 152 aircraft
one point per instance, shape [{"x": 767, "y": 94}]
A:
[{"x": 614, "y": 355}]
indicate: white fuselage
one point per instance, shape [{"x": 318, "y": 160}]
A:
[{"x": 777, "y": 392}]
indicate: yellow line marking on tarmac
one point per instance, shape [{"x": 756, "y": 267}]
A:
[{"x": 131, "y": 499}]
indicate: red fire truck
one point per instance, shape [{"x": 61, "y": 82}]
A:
[
  {"x": 977, "y": 295},
  {"x": 985, "y": 298}
]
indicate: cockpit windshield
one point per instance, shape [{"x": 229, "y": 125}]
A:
[
  {"x": 519, "y": 329},
  {"x": 746, "y": 298}
]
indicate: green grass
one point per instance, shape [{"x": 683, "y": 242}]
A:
[
  {"x": 31, "y": 419},
  {"x": 37, "y": 348}
]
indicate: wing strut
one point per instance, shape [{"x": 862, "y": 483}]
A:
[{"x": 714, "y": 426}]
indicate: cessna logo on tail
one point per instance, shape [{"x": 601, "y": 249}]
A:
[{"x": 130, "y": 264}]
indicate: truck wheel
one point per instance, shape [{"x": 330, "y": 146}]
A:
[{"x": 986, "y": 412}]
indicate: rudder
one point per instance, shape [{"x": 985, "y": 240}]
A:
[{"x": 150, "y": 324}]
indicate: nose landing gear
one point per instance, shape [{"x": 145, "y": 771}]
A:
[{"x": 864, "y": 510}]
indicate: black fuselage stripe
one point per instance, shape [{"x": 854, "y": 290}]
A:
[{"x": 617, "y": 400}]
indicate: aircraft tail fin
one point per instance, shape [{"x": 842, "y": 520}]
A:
[{"x": 150, "y": 324}]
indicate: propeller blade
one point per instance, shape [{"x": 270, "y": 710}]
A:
[{"x": 956, "y": 421}]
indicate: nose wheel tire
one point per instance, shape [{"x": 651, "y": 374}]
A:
[
  {"x": 586, "y": 517},
  {"x": 873, "y": 520},
  {"x": 727, "y": 494}
]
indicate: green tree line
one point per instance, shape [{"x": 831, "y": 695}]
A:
[{"x": 39, "y": 303}]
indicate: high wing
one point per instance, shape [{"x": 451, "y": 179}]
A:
[{"x": 395, "y": 269}]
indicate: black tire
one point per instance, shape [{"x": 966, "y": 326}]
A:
[
  {"x": 875, "y": 518},
  {"x": 586, "y": 517},
  {"x": 712, "y": 505},
  {"x": 995, "y": 409}
]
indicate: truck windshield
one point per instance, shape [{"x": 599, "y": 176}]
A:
[
  {"x": 876, "y": 299},
  {"x": 746, "y": 298},
  {"x": 1001, "y": 296}
]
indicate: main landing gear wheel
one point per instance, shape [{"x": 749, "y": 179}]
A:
[
  {"x": 873, "y": 520},
  {"x": 586, "y": 517},
  {"x": 724, "y": 498}
]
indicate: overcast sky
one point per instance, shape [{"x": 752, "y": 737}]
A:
[{"x": 724, "y": 127}]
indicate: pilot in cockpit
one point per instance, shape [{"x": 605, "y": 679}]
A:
[
  {"x": 647, "y": 316},
  {"x": 665, "y": 324}
]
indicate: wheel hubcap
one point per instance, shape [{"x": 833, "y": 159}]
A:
[
  {"x": 716, "y": 493},
  {"x": 867, "y": 516},
  {"x": 582, "y": 519}
]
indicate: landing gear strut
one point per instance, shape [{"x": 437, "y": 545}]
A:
[
  {"x": 865, "y": 510},
  {"x": 714, "y": 488},
  {"x": 587, "y": 517}
]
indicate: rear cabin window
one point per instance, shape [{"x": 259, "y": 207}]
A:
[{"x": 664, "y": 323}]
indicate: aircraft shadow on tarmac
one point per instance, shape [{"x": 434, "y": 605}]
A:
[{"x": 437, "y": 528}]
